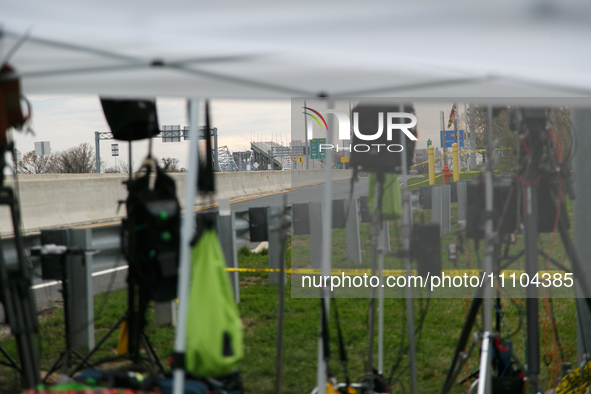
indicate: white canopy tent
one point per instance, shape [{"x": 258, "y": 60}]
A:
[
  {"x": 266, "y": 49},
  {"x": 277, "y": 50}
]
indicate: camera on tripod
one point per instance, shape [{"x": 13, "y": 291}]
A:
[
  {"x": 380, "y": 150},
  {"x": 151, "y": 234}
]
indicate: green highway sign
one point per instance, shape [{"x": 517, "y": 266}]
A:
[{"x": 315, "y": 149}]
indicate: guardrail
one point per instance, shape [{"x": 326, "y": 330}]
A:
[{"x": 234, "y": 229}]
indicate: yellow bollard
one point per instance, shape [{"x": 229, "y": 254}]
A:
[
  {"x": 456, "y": 161},
  {"x": 431, "y": 165}
]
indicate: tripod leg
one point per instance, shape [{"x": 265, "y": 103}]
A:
[
  {"x": 11, "y": 361},
  {"x": 25, "y": 303},
  {"x": 74, "y": 352},
  {"x": 23, "y": 330},
  {"x": 54, "y": 367},
  {"x": 98, "y": 345},
  {"x": 138, "y": 325},
  {"x": 574, "y": 259},
  {"x": 152, "y": 356},
  {"x": 66, "y": 362},
  {"x": 14, "y": 315},
  {"x": 465, "y": 334},
  {"x": 530, "y": 219}
]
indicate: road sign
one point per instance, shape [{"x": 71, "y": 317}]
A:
[
  {"x": 300, "y": 159},
  {"x": 345, "y": 159},
  {"x": 293, "y": 158},
  {"x": 171, "y": 133},
  {"x": 315, "y": 152},
  {"x": 114, "y": 149},
  {"x": 450, "y": 138},
  {"x": 42, "y": 148}
]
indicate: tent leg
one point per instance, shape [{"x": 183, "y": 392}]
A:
[
  {"x": 187, "y": 227},
  {"x": 326, "y": 249},
  {"x": 383, "y": 239},
  {"x": 406, "y": 225}
]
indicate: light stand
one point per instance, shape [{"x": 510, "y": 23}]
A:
[
  {"x": 377, "y": 224},
  {"x": 18, "y": 299},
  {"x": 282, "y": 228},
  {"x": 135, "y": 238},
  {"x": 63, "y": 253},
  {"x": 484, "y": 381},
  {"x": 406, "y": 233},
  {"x": 531, "y": 124}
]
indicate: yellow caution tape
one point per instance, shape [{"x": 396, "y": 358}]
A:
[
  {"x": 313, "y": 271},
  {"x": 449, "y": 153},
  {"x": 359, "y": 272},
  {"x": 437, "y": 176}
]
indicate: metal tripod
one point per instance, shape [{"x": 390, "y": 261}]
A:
[
  {"x": 18, "y": 299},
  {"x": 68, "y": 353},
  {"x": 534, "y": 127},
  {"x": 135, "y": 323}
]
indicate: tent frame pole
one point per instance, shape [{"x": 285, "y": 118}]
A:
[
  {"x": 326, "y": 252},
  {"x": 188, "y": 224},
  {"x": 484, "y": 378},
  {"x": 406, "y": 232}
]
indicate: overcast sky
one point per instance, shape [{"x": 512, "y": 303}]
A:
[{"x": 67, "y": 121}]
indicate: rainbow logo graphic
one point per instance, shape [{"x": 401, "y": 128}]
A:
[{"x": 315, "y": 118}]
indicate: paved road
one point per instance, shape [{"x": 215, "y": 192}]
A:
[{"x": 340, "y": 190}]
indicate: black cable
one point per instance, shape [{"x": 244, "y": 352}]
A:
[
  {"x": 418, "y": 331},
  {"x": 401, "y": 386},
  {"x": 477, "y": 253},
  {"x": 401, "y": 348},
  {"x": 553, "y": 317},
  {"x": 520, "y": 326},
  {"x": 583, "y": 336},
  {"x": 342, "y": 348},
  {"x": 353, "y": 179}
]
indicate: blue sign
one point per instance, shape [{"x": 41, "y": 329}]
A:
[{"x": 450, "y": 138}]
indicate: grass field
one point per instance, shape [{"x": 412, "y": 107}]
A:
[{"x": 258, "y": 307}]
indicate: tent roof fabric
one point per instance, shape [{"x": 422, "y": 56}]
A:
[{"x": 267, "y": 49}]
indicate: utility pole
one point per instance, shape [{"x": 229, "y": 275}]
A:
[
  {"x": 472, "y": 138},
  {"x": 443, "y": 138},
  {"x": 456, "y": 132},
  {"x": 97, "y": 151},
  {"x": 466, "y": 130},
  {"x": 307, "y": 140},
  {"x": 581, "y": 121}
]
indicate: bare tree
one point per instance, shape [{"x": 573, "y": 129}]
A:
[
  {"x": 170, "y": 164},
  {"x": 119, "y": 168},
  {"x": 110, "y": 170},
  {"x": 422, "y": 168},
  {"x": 33, "y": 164},
  {"x": 123, "y": 167},
  {"x": 77, "y": 160},
  {"x": 508, "y": 140}
]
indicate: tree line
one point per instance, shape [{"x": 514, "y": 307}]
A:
[
  {"x": 80, "y": 159},
  {"x": 506, "y": 140}
]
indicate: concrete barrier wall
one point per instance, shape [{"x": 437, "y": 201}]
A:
[{"x": 68, "y": 200}]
